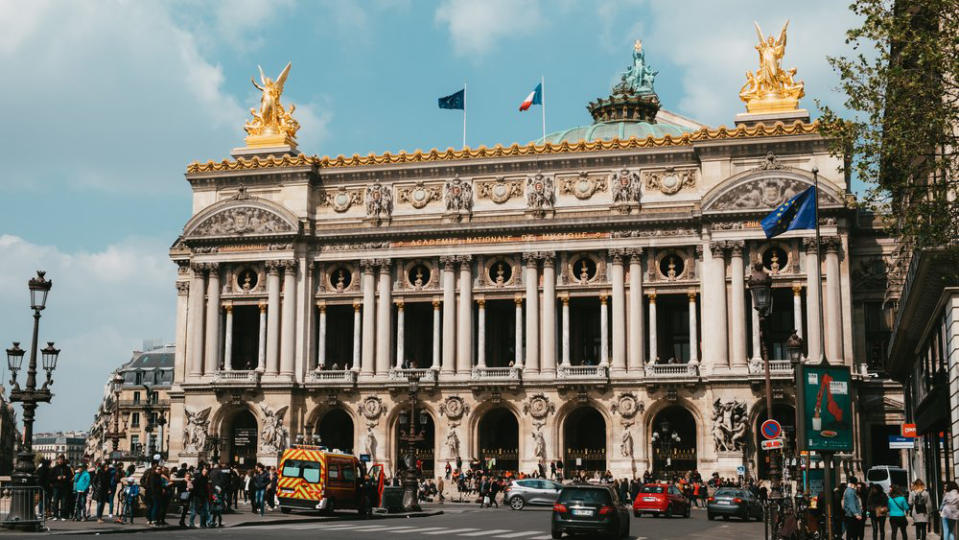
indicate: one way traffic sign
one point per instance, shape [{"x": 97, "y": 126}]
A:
[{"x": 772, "y": 444}]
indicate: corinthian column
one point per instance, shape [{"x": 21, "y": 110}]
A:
[
  {"x": 211, "y": 356},
  {"x": 518, "y": 346},
  {"x": 813, "y": 288},
  {"x": 464, "y": 319},
  {"x": 449, "y": 316},
  {"x": 637, "y": 329},
  {"x": 436, "y": 334},
  {"x": 357, "y": 326},
  {"x": 832, "y": 246},
  {"x": 195, "y": 320},
  {"x": 714, "y": 306},
  {"x": 532, "y": 313},
  {"x": 321, "y": 338},
  {"x": 737, "y": 299},
  {"x": 228, "y": 339},
  {"x": 565, "y": 300},
  {"x": 384, "y": 319},
  {"x": 619, "y": 310},
  {"x": 653, "y": 346},
  {"x": 182, "y": 307},
  {"x": 693, "y": 330},
  {"x": 548, "y": 363},
  {"x": 367, "y": 347},
  {"x": 261, "y": 340},
  {"x": 400, "y": 333},
  {"x": 603, "y": 331},
  {"x": 288, "y": 323},
  {"x": 481, "y": 333},
  {"x": 272, "y": 317},
  {"x": 797, "y": 310}
]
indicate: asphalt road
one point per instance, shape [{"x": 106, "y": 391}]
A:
[{"x": 463, "y": 522}]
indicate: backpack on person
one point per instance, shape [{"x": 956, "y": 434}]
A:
[{"x": 920, "y": 503}]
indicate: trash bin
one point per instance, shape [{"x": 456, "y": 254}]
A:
[{"x": 392, "y": 499}]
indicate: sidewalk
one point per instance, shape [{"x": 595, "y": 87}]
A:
[{"x": 239, "y": 518}]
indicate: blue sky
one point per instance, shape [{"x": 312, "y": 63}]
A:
[{"x": 108, "y": 101}]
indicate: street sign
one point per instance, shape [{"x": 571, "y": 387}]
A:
[
  {"x": 741, "y": 471},
  {"x": 828, "y": 414},
  {"x": 898, "y": 442},
  {"x": 909, "y": 430},
  {"x": 365, "y": 458},
  {"x": 772, "y": 444},
  {"x": 771, "y": 429}
]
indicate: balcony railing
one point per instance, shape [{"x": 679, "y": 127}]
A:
[
  {"x": 776, "y": 368},
  {"x": 236, "y": 377},
  {"x": 131, "y": 404},
  {"x": 672, "y": 371},
  {"x": 582, "y": 372},
  {"x": 332, "y": 376},
  {"x": 403, "y": 374},
  {"x": 497, "y": 374}
]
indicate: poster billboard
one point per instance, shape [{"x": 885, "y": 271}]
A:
[{"x": 828, "y": 414}]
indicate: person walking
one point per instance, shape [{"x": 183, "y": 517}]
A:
[
  {"x": 949, "y": 510},
  {"x": 200, "y": 498},
  {"x": 60, "y": 477},
  {"x": 898, "y": 508},
  {"x": 81, "y": 486},
  {"x": 877, "y": 504},
  {"x": 102, "y": 489},
  {"x": 186, "y": 497},
  {"x": 131, "y": 495},
  {"x": 919, "y": 503},
  {"x": 852, "y": 511},
  {"x": 260, "y": 481}
]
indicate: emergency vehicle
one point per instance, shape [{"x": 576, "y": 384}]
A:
[{"x": 315, "y": 478}]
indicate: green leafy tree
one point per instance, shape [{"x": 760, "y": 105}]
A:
[{"x": 900, "y": 83}]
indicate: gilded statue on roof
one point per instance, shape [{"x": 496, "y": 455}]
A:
[
  {"x": 639, "y": 77},
  {"x": 771, "y": 88},
  {"x": 272, "y": 124}
]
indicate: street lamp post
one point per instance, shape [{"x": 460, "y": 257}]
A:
[
  {"x": 22, "y": 514},
  {"x": 794, "y": 346},
  {"x": 411, "y": 436},
  {"x": 760, "y": 288},
  {"x": 116, "y": 384},
  {"x": 666, "y": 438}
]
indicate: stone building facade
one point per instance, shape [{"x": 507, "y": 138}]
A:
[{"x": 582, "y": 298}]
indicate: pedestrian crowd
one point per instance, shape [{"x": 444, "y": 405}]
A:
[{"x": 857, "y": 502}]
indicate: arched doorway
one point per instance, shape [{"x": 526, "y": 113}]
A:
[
  {"x": 673, "y": 441},
  {"x": 786, "y": 416},
  {"x": 424, "y": 448},
  {"x": 336, "y": 432},
  {"x": 498, "y": 436},
  {"x": 239, "y": 438},
  {"x": 584, "y": 441}
]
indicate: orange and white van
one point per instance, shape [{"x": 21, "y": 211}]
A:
[{"x": 313, "y": 478}]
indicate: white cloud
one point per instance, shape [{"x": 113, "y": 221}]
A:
[
  {"x": 475, "y": 27},
  {"x": 102, "y": 305}
]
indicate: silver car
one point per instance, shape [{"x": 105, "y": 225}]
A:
[{"x": 533, "y": 491}]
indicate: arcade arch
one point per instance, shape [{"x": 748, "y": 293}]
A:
[
  {"x": 673, "y": 440},
  {"x": 584, "y": 441},
  {"x": 498, "y": 438}
]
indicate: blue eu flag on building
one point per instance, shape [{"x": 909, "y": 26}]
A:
[
  {"x": 456, "y": 100},
  {"x": 796, "y": 213}
]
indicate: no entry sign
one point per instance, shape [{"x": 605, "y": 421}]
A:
[{"x": 771, "y": 429}]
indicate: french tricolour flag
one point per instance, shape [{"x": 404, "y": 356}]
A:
[{"x": 534, "y": 98}]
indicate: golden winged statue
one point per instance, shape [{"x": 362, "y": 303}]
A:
[
  {"x": 272, "y": 125},
  {"x": 770, "y": 88}
]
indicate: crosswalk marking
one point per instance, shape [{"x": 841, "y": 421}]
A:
[
  {"x": 453, "y": 531},
  {"x": 517, "y": 534},
  {"x": 370, "y": 528},
  {"x": 419, "y": 530},
  {"x": 484, "y": 533}
]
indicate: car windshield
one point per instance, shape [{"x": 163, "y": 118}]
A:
[
  {"x": 584, "y": 495},
  {"x": 652, "y": 489},
  {"x": 877, "y": 475},
  {"x": 307, "y": 470},
  {"x": 730, "y": 493}
]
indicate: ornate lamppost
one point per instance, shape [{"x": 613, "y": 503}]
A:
[
  {"x": 760, "y": 288},
  {"x": 116, "y": 384},
  {"x": 794, "y": 347},
  {"x": 666, "y": 439},
  {"x": 22, "y": 514},
  {"x": 413, "y": 434},
  {"x": 213, "y": 442}
]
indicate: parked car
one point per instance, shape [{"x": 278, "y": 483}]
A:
[
  {"x": 531, "y": 491},
  {"x": 734, "y": 502},
  {"x": 661, "y": 500},
  {"x": 592, "y": 510},
  {"x": 887, "y": 476}
]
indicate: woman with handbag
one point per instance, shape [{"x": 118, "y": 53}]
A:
[
  {"x": 919, "y": 503},
  {"x": 877, "y": 504},
  {"x": 185, "y": 494},
  {"x": 949, "y": 510},
  {"x": 898, "y": 508}
]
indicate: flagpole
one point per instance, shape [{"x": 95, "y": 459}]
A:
[
  {"x": 822, "y": 333},
  {"x": 542, "y": 82},
  {"x": 464, "y": 115}
]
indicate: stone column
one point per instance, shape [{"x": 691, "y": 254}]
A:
[
  {"x": 757, "y": 351},
  {"x": 737, "y": 299},
  {"x": 321, "y": 337},
  {"x": 565, "y": 300},
  {"x": 400, "y": 323},
  {"x": 693, "y": 330},
  {"x": 618, "y": 276},
  {"x": 797, "y": 310},
  {"x": 261, "y": 340},
  {"x": 384, "y": 318},
  {"x": 288, "y": 322},
  {"x": 273, "y": 317},
  {"x": 603, "y": 331},
  {"x": 436, "y": 334},
  {"x": 714, "y": 306},
  {"x": 518, "y": 346},
  {"x": 228, "y": 339},
  {"x": 813, "y": 282},
  {"x": 548, "y": 358},
  {"x": 637, "y": 328},
  {"x": 832, "y": 247},
  {"x": 653, "y": 346},
  {"x": 464, "y": 318},
  {"x": 196, "y": 317},
  {"x": 211, "y": 356},
  {"x": 481, "y": 332},
  {"x": 449, "y": 316},
  {"x": 357, "y": 332},
  {"x": 532, "y": 313},
  {"x": 367, "y": 346}
]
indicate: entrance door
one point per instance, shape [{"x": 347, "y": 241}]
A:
[
  {"x": 336, "y": 431},
  {"x": 243, "y": 439},
  {"x": 584, "y": 436},
  {"x": 499, "y": 439}
]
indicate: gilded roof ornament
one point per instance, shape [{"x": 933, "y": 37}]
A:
[
  {"x": 771, "y": 89},
  {"x": 272, "y": 125}
]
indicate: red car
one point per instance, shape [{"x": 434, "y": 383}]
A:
[{"x": 661, "y": 500}]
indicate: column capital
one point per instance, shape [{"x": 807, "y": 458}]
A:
[
  {"x": 436, "y": 304},
  {"x": 718, "y": 248},
  {"x": 635, "y": 255},
  {"x": 182, "y": 288},
  {"x": 736, "y": 247},
  {"x": 321, "y": 306},
  {"x": 833, "y": 244},
  {"x": 205, "y": 266},
  {"x": 564, "y": 300},
  {"x": 699, "y": 252},
  {"x": 368, "y": 265},
  {"x": 602, "y": 299},
  {"x": 481, "y": 302},
  {"x": 797, "y": 289},
  {"x": 518, "y": 300},
  {"x": 288, "y": 265},
  {"x": 382, "y": 263},
  {"x": 262, "y": 306},
  {"x": 617, "y": 255},
  {"x": 548, "y": 257},
  {"x": 809, "y": 245},
  {"x": 357, "y": 305},
  {"x": 530, "y": 258},
  {"x": 228, "y": 307},
  {"x": 465, "y": 261},
  {"x": 448, "y": 261},
  {"x": 652, "y": 297},
  {"x": 273, "y": 267},
  {"x": 691, "y": 295},
  {"x": 400, "y": 304}
]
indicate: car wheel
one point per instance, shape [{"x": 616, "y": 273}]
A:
[
  {"x": 285, "y": 510},
  {"x": 557, "y": 535},
  {"x": 689, "y": 509},
  {"x": 710, "y": 517},
  {"x": 669, "y": 512},
  {"x": 636, "y": 514},
  {"x": 517, "y": 503},
  {"x": 726, "y": 518}
]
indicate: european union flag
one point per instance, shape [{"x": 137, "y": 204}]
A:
[
  {"x": 796, "y": 213},
  {"x": 455, "y": 100}
]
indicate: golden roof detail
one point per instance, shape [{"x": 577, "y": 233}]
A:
[{"x": 484, "y": 152}]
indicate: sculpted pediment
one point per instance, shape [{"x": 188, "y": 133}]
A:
[
  {"x": 765, "y": 190},
  {"x": 241, "y": 218}
]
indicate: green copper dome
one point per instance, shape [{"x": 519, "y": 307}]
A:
[{"x": 604, "y": 131}]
